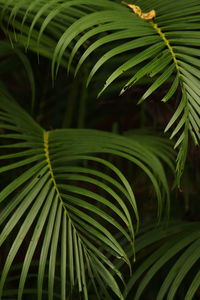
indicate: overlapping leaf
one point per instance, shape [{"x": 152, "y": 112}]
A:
[{"x": 182, "y": 241}]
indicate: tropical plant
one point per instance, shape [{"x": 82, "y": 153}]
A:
[{"x": 77, "y": 202}]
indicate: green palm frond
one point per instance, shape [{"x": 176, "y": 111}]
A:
[
  {"x": 164, "y": 48},
  {"x": 66, "y": 192},
  {"x": 177, "y": 246}
]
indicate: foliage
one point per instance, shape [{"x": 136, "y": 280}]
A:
[{"x": 73, "y": 195}]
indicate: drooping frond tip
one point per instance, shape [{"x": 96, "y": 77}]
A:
[{"x": 137, "y": 10}]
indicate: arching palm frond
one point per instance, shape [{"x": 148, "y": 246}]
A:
[
  {"x": 39, "y": 25},
  {"x": 172, "y": 259},
  {"x": 162, "y": 48},
  {"x": 65, "y": 198}
]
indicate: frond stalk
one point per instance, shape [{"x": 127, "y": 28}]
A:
[
  {"x": 46, "y": 151},
  {"x": 167, "y": 43}
]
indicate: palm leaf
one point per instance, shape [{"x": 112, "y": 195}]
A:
[
  {"x": 176, "y": 245},
  {"x": 58, "y": 197}
]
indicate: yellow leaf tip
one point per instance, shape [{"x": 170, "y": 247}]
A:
[{"x": 137, "y": 10}]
